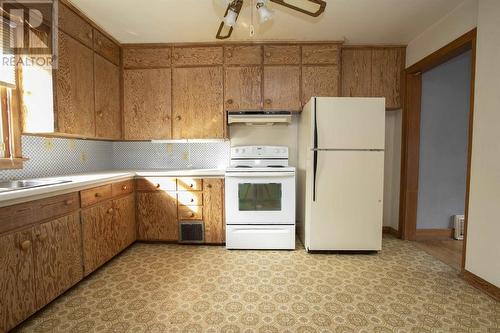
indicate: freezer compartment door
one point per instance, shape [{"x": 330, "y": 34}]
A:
[
  {"x": 350, "y": 123},
  {"x": 347, "y": 211},
  {"x": 262, "y": 237}
]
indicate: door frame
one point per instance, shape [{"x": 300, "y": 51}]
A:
[{"x": 411, "y": 132}]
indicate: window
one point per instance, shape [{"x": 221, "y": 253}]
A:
[{"x": 259, "y": 197}]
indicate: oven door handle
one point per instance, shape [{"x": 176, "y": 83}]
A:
[{"x": 260, "y": 174}]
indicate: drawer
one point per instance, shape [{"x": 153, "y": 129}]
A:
[
  {"x": 56, "y": 206},
  {"x": 195, "y": 56},
  {"x": 122, "y": 188},
  {"x": 191, "y": 198},
  {"x": 321, "y": 54},
  {"x": 189, "y": 184},
  {"x": 106, "y": 47},
  {"x": 156, "y": 184},
  {"x": 95, "y": 195},
  {"x": 282, "y": 55},
  {"x": 243, "y": 55},
  {"x": 190, "y": 212},
  {"x": 75, "y": 26},
  {"x": 13, "y": 217}
]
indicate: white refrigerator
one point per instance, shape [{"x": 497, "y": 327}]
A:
[{"x": 341, "y": 174}]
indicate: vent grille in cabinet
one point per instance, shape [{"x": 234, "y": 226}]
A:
[{"x": 191, "y": 232}]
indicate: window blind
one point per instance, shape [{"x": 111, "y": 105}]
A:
[{"x": 7, "y": 55}]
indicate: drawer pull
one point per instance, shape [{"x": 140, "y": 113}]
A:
[
  {"x": 158, "y": 185},
  {"x": 124, "y": 187},
  {"x": 209, "y": 185},
  {"x": 229, "y": 54},
  {"x": 191, "y": 185},
  {"x": 68, "y": 202},
  {"x": 230, "y": 101},
  {"x": 192, "y": 199},
  {"x": 111, "y": 211},
  {"x": 98, "y": 195},
  {"x": 268, "y": 101},
  {"x": 25, "y": 245},
  {"x": 193, "y": 214},
  {"x": 178, "y": 118}
]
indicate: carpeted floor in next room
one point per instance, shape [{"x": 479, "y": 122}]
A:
[{"x": 174, "y": 288}]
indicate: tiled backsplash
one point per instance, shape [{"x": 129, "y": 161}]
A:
[{"x": 55, "y": 157}]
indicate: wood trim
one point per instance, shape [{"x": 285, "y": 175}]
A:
[
  {"x": 411, "y": 130},
  {"x": 433, "y": 234},
  {"x": 14, "y": 163},
  {"x": 481, "y": 284},
  {"x": 249, "y": 43},
  {"x": 390, "y": 231}
]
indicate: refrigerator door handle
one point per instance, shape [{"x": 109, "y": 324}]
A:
[{"x": 315, "y": 159}]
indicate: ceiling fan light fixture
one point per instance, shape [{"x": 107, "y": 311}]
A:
[
  {"x": 230, "y": 18},
  {"x": 264, "y": 13}
]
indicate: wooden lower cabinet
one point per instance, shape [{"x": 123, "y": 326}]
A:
[
  {"x": 57, "y": 257},
  {"x": 124, "y": 224},
  {"x": 17, "y": 284},
  {"x": 157, "y": 216},
  {"x": 213, "y": 210},
  {"x": 97, "y": 236}
]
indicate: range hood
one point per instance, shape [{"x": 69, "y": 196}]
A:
[{"x": 259, "y": 117}]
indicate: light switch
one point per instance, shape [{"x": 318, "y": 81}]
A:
[{"x": 48, "y": 143}]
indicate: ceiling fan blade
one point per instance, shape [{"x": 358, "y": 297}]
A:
[
  {"x": 236, "y": 7},
  {"x": 294, "y": 4}
]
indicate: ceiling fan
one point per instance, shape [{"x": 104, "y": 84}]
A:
[{"x": 309, "y": 7}]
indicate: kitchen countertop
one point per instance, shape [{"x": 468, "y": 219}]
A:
[{"x": 89, "y": 180}]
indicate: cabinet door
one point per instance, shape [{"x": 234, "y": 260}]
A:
[
  {"x": 74, "y": 25},
  {"x": 157, "y": 216},
  {"x": 57, "y": 257},
  {"x": 321, "y": 54},
  {"x": 356, "y": 72},
  {"x": 282, "y": 88},
  {"x": 320, "y": 81},
  {"x": 243, "y": 88},
  {"x": 197, "y": 56},
  {"x": 106, "y": 47},
  {"x": 97, "y": 236},
  {"x": 124, "y": 222},
  {"x": 198, "y": 103},
  {"x": 75, "y": 88},
  {"x": 387, "y": 68},
  {"x": 213, "y": 210},
  {"x": 281, "y": 54},
  {"x": 107, "y": 99},
  {"x": 147, "y": 99},
  {"x": 243, "y": 55},
  {"x": 17, "y": 286}
]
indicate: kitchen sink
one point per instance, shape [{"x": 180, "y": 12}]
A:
[{"x": 15, "y": 185}]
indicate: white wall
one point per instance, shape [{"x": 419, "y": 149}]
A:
[
  {"x": 461, "y": 20},
  {"x": 392, "y": 169},
  {"x": 483, "y": 243}
]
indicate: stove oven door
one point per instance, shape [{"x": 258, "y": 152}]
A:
[{"x": 260, "y": 198}]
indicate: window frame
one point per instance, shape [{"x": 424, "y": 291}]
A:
[{"x": 11, "y": 129}]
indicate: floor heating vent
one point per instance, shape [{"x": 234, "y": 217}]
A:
[
  {"x": 191, "y": 232},
  {"x": 458, "y": 224}
]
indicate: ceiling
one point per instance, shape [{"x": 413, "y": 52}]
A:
[{"x": 355, "y": 21}]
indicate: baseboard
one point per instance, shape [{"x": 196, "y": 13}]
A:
[
  {"x": 390, "y": 231},
  {"x": 434, "y": 234},
  {"x": 481, "y": 284}
]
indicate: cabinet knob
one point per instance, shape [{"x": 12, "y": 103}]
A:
[
  {"x": 110, "y": 211},
  {"x": 98, "y": 195},
  {"x": 41, "y": 237},
  {"x": 99, "y": 42},
  {"x": 124, "y": 187},
  {"x": 229, "y": 101},
  {"x": 209, "y": 185},
  {"x": 192, "y": 214},
  {"x": 158, "y": 185},
  {"x": 192, "y": 199},
  {"x": 68, "y": 202},
  {"x": 268, "y": 101},
  {"x": 176, "y": 56},
  {"x": 191, "y": 185},
  {"x": 100, "y": 114},
  {"x": 25, "y": 245},
  {"x": 268, "y": 54},
  {"x": 229, "y": 54},
  {"x": 178, "y": 117}
]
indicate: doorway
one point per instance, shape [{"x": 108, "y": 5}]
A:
[{"x": 436, "y": 149}]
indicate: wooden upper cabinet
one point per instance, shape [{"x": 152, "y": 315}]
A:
[
  {"x": 281, "y": 54},
  {"x": 282, "y": 88},
  {"x": 321, "y": 54},
  {"x": 75, "y": 88},
  {"x": 106, "y": 47},
  {"x": 97, "y": 236},
  {"x": 57, "y": 257},
  {"x": 198, "y": 111},
  {"x": 147, "y": 57},
  {"x": 320, "y": 81},
  {"x": 356, "y": 72},
  {"x": 243, "y": 55},
  {"x": 387, "y": 69},
  {"x": 243, "y": 88},
  {"x": 75, "y": 26},
  {"x": 17, "y": 284},
  {"x": 147, "y": 104},
  {"x": 157, "y": 216},
  {"x": 197, "y": 56},
  {"x": 107, "y": 99},
  {"x": 213, "y": 210}
]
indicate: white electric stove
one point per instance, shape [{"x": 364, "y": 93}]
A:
[{"x": 260, "y": 199}]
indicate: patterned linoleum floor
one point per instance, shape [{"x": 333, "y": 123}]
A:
[{"x": 173, "y": 288}]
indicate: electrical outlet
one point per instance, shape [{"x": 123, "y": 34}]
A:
[
  {"x": 170, "y": 149},
  {"x": 185, "y": 156},
  {"x": 83, "y": 157},
  {"x": 72, "y": 144},
  {"x": 48, "y": 143}
]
